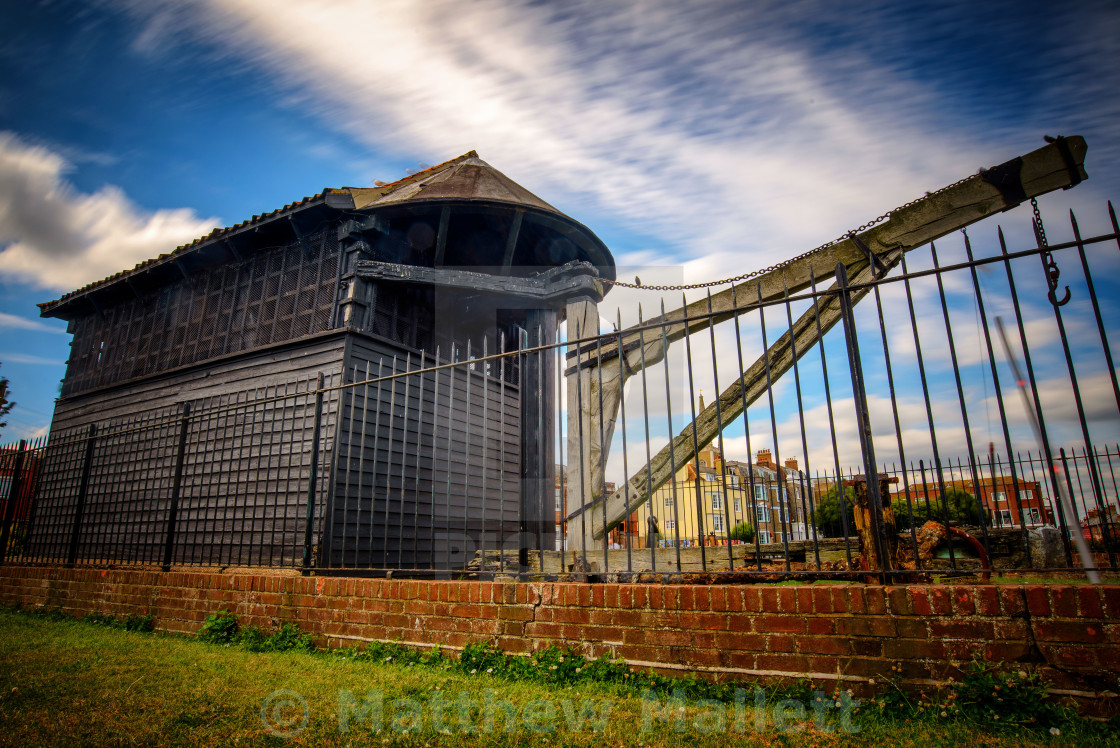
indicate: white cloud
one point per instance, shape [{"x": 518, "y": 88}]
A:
[
  {"x": 56, "y": 237},
  {"x": 15, "y": 322},
  {"x": 718, "y": 138}
]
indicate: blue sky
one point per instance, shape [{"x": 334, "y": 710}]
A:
[{"x": 714, "y": 138}]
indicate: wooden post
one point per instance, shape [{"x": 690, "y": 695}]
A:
[
  {"x": 877, "y": 531},
  {"x": 584, "y": 449}
]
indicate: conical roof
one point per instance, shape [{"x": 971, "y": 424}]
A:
[{"x": 465, "y": 178}]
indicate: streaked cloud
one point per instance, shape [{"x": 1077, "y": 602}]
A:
[
  {"x": 54, "y": 236},
  {"x": 724, "y": 131},
  {"x": 23, "y": 358},
  {"x": 15, "y": 322}
]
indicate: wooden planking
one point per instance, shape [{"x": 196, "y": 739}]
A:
[
  {"x": 244, "y": 489},
  {"x": 388, "y": 468},
  {"x": 235, "y": 374}
]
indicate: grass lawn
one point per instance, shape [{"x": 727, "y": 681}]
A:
[{"x": 66, "y": 682}]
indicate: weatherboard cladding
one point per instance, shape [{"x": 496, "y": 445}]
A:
[
  {"x": 415, "y": 483},
  {"x": 422, "y": 487},
  {"x": 244, "y": 484}
]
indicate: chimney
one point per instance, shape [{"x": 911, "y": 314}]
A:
[
  {"x": 791, "y": 463},
  {"x": 764, "y": 459}
]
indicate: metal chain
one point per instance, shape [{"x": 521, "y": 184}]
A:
[
  {"x": 792, "y": 260},
  {"x": 1039, "y": 228},
  {"x": 1053, "y": 272}
]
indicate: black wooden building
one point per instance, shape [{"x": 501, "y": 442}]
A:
[{"x": 186, "y": 428}]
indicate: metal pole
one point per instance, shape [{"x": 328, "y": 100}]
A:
[
  {"x": 173, "y": 511},
  {"x": 13, "y": 497},
  {"x": 79, "y": 509},
  {"x": 863, "y": 422},
  {"x": 312, "y": 477}
]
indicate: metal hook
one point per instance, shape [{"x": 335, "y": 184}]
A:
[
  {"x": 1064, "y": 300},
  {"x": 1052, "y": 275}
]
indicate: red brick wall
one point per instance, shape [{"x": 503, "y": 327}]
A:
[{"x": 829, "y": 633}]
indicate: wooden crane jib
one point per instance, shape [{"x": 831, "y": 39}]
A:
[{"x": 596, "y": 376}]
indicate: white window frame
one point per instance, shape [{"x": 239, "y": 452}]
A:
[{"x": 717, "y": 501}]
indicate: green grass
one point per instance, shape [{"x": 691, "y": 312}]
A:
[{"x": 66, "y": 682}]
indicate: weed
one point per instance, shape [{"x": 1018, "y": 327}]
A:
[
  {"x": 219, "y": 628},
  {"x": 987, "y": 693},
  {"x": 99, "y": 618},
  {"x": 990, "y": 693},
  {"x": 222, "y": 628},
  {"x": 289, "y": 637},
  {"x": 144, "y": 623}
]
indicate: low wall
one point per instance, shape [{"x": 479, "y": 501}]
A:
[{"x": 846, "y": 634}]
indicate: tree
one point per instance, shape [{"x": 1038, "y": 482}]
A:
[
  {"x": 743, "y": 532},
  {"x": 963, "y": 509},
  {"x": 6, "y": 404},
  {"x": 962, "y": 506},
  {"x": 826, "y": 515}
]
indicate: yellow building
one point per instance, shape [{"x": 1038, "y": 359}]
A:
[{"x": 770, "y": 498}]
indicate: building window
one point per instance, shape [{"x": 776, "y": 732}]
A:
[
  {"x": 1004, "y": 516},
  {"x": 1000, "y": 497},
  {"x": 763, "y": 536},
  {"x": 670, "y": 524},
  {"x": 1033, "y": 516},
  {"x": 717, "y": 500},
  {"x": 732, "y": 480},
  {"x": 669, "y": 500},
  {"x": 1026, "y": 494},
  {"x": 738, "y": 504},
  {"x": 762, "y": 513},
  {"x": 759, "y": 493},
  {"x": 717, "y": 522}
]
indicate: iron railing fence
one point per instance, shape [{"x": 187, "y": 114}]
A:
[{"x": 409, "y": 466}]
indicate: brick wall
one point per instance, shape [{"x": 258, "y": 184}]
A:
[{"x": 829, "y": 633}]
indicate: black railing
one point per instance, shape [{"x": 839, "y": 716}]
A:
[{"x": 418, "y": 466}]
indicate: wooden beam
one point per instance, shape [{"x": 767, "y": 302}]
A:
[
  {"x": 908, "y": 228},
  {"x": 729, "y": 405}
]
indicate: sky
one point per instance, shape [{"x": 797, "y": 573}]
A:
[{"x": 699, "y": 140}]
